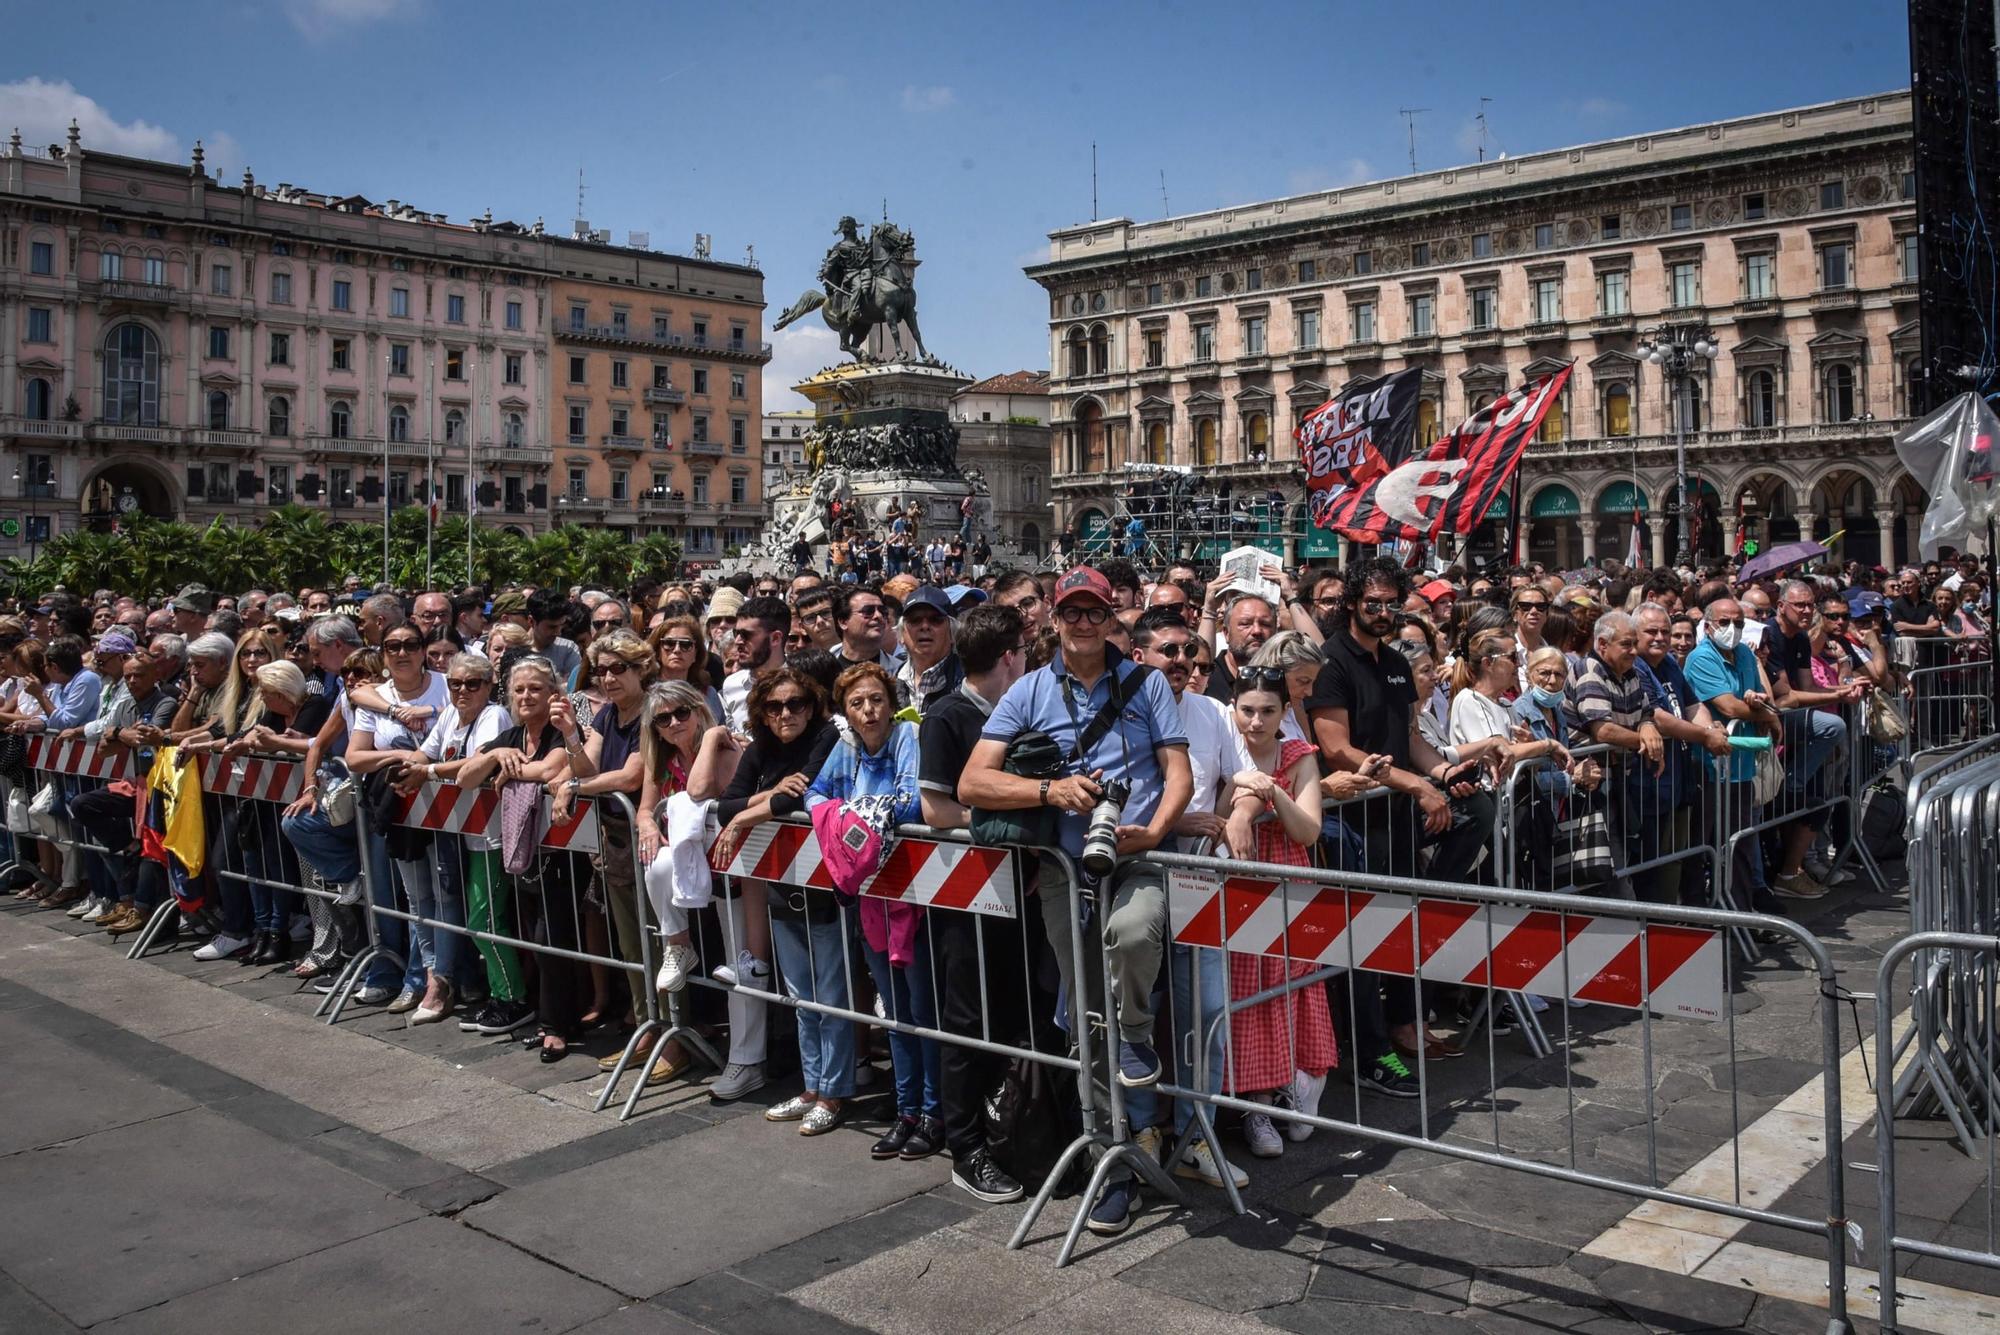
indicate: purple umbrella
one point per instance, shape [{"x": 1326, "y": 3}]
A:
[{"x": 1778, "y": 559}]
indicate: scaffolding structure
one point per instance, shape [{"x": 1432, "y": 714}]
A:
[{"x": 1184, "y": 515}]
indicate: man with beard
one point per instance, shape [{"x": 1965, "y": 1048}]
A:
[
  {"x": 1249, "y": 621},
  {"x": 758, "y": 647}
]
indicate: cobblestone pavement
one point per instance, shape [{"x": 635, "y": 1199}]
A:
[{"x": 182, "y": 1147}]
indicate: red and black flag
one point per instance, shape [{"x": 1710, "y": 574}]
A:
[
  {"x": 1351, "y": 441},
  {"x": 1396, "y": 491}
]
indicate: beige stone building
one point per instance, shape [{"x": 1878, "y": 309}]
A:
[
  {"x": 1003, "y": 432},
  {"x": 1202, "y": 340}
]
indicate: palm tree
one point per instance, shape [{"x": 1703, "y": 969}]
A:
[{"x": 657, "y": 555}]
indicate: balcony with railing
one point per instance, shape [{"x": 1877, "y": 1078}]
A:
[
  {"x": 707, "y": 447},
  {"x": 666, "y": 394},
  {"x": 39, "y": 429},
  {"x": 149, "y": 294},
  {"x": 719, "y": 345},
  {"x": 1777, "y": 438},
  {"x": 225, "y": 440},
  {"x": 615, "y": 442},
  {"x": 108, "y": 430},
  {"x": 352, "y": 446}
]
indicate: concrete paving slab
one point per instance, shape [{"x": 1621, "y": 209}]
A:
[
  {"x": 944, "y": 1284},
  {"x": 639, "y": 1319},
  {"x": 180, "y": 1203},
  {"x": 429, "y": 1275},
  {"x": 22, "y": 1313},
  {"x": 1118, "y": 1305},
  {"x": 499, "y": 1129},
  {"x": 725, "y": 1302},
  {"x": 54, "y": 1092},
  {"x": 1243, "y": 1263},
  {"x": 809, "y": 1259},
  {"x": 708, "y": 1200}
]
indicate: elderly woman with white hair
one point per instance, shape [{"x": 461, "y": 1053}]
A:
[{"x": 1293, "y": 653}]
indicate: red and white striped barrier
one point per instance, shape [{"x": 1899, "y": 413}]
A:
[
  {"x": 927, "y": 872},
  {"x": 80, "y": 759},
  {"x": 446, "y": 808},
  {"x": 1670, "y": 968},
  {"x": 256, "y": 777}
]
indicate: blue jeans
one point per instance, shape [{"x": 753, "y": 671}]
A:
[
  {"x": 909, "y": 995},
  {"x": 334, "y": 852},
  {"x": 812, "y": 956},
  {"x": 1206, "y": 971},
  {"x": 432, "y": 896},
  {"x": 1816, "y": 733}
]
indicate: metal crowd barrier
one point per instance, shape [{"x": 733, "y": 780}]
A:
[
  {"x": 1951, "y": 690},
  {"x": 76, "y": 767},
  {"x": 1980, "y": 1062}
]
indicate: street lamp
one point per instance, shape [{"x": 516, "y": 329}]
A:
[
  {"x": 1678, "y": 349},
  {"x": 34, "y": 515}
]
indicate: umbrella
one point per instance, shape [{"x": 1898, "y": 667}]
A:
[{"x": 1780, "y": 558}]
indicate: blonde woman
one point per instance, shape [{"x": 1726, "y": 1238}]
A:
[
  {"x": 1293, "y": 653},
  {"x": 671, "y": 725}
]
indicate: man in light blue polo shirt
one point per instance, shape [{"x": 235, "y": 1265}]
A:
[
  {"x": 1144, "y": 748},
  {"x": 1723, "y": 674}
]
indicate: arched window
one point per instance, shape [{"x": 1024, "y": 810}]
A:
[
  {"x": 1204, "y": 442},
  {"x": 41, "y": 400},
  {"x": 218, "y": 411},
  {"x": 512, "y": 429},
  {"x": 1618, "y": 411},
  {"x": 1554, "y": 427},
  {"x": 1840, "y": 394},
  {"x": 454, "y": 427},
  {"x": 132, "y": 376},
  {"x": 339, "y": 419},
  {"x": 1427, "y": 422},
  {"x": 1760, "y": 399},
  {"x": 399, "y": 424},
  {"x": 1079, "y": 353},
  {"x": 1156, "y": 443},
  {"x": 1257, "y": 437},
  {"x": 1100, "y": 350},
  {"x": 279, "y": 417}
]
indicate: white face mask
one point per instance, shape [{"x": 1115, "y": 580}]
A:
[{"x": 1725, "y": 637}]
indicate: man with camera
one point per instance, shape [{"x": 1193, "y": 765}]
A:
[{"x": 1121, "y": 786}]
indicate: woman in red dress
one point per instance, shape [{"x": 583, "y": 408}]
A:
[{"x": 1286, "y": 1043}]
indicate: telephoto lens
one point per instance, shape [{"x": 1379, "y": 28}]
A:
[{"x": 1100, "y": 841}]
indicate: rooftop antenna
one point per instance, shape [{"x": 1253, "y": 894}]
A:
[
  {"x": 1410, "y": 115},
  {"x": 1093, "y": 180},
  {"x": 1163, "y": 193},
  {"x": 1481, "y": 118}
]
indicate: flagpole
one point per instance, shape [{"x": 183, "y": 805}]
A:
[{"x": 385, "y": 468}]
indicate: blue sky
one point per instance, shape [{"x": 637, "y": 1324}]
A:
[{"x": 761, "y": 123}]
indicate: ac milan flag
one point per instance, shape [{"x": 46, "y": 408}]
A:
[{"x": 1381, "y": 486}]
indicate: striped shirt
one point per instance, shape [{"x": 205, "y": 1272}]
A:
[{"x": 1598, "y": 695}]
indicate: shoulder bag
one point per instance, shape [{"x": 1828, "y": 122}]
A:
[{"x": 1034, "y": 754}]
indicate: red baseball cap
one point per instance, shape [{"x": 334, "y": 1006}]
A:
[
  {"x": 1436, "y": 589},
  {"x": 1083, "y": 582}
]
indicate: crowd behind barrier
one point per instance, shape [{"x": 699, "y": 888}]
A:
[{"x": 1111, "y": 868}]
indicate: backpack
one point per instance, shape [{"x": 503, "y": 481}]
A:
[
  {"x": 1884, "y": 809},
  {"x": 1030, "y": 1121}
]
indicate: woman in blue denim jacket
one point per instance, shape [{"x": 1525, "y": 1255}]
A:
[{"x": 878, "y": 763}]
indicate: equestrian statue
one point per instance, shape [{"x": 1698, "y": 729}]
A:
[{"x": 865, "y": 284}]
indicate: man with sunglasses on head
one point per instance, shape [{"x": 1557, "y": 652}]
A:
[{"x": 1114, "y": 721}]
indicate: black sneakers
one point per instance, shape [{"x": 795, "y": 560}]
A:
[
  {"x": 1388, "y": 1075},
  {"x": 978, "y": 1175},
  {"x": 499, "y": 1017}
]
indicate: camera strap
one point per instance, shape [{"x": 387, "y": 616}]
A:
[{"x": 1123, "y": 689}]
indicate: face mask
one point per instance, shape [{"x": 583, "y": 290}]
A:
[
  {"x": 1726, "y": 637},
  {"x": 1547, "y": 698}
]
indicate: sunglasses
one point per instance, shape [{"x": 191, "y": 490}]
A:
[
  {"x": 1260, "y": 679},
  {"x": 401, "y": 646},
  {"x": 1173, "y": 651},
  {"x": 791, "y": 704},
  {"x": 1537, "y": 605},
  {"x": 1204, "y": 665},
  {"x": 613, "y": 624},
  {"x": 1834, "y": 616},
  {"x": 1718, "y": 621},
  {"x": 472, "y": 685},
  {"x": 1377, "y": 604},
  {"x": 1096, "y": 616},
  {"x": 613, "y": 668},
  {"x": 677, "y": 645},
  {"x": 872, "y": 610},
  {"x": 673, "y": 717}
]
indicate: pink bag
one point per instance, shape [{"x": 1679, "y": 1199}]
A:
[{"x": 848, "y": 844}]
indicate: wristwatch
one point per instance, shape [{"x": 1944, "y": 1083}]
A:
[{"x": 1045, "y": 792}]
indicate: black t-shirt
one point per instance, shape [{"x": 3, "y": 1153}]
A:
[
  {"x": 550, "y": 740},
  {"x": 1221, "y": 681},
  {"x": 1789, "y": 655},
  {"x": 950, "y": 729},
  {"x": 1376, "y": 691},
  {"x": 1910, "y": 610}
]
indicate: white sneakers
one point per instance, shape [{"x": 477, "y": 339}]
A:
[
  {"x": 89, "y": 907},
  {"x": 1199, "y": 1163},
  {"x": 220, "y": 947},
  {"x": 1306, "y": 1090},
  {"x": 680, "y": 960},
  {"x": 1263, "y": 1137},
  {"x": 748, "y": 971}
]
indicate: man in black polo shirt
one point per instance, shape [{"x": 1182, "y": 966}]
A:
[
  {"x": 1814, "y": 733},
  {"x": 1363, "y": 706},
  {"x": 989, "y": 645}
]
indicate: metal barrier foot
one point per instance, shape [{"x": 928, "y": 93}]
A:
[
  {"x": 671, "y": 1031},
  {"x": 625, "y": 1060},
  {"x": 154, "y": 926},
  {"x": 350, "y": 980},
  {"x": 1202, "y": 1127}
]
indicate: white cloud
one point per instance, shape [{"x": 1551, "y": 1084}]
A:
[
  {"x": 1306, "y": 180},
  {"x": 797, "y": 352},
  {"x": 935, "y": 98},
  {"x": 42, "y": 112},
  {"x": 322, "y": 18}
]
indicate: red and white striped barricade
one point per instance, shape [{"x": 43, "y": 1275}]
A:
[
  {"x": 259, "y": 778},
  {"x": 77, "y": 758},
  {"x": 928, "y": 873},
  {"x": 446, "y": 808},
  {"x": 1670, "y": 968}
]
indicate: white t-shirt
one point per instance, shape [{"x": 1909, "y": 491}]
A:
[
  {"x": 1215, "y": 752},
  {"x": 391, "y": 735},
  {"x": 451, "y": 739},
  {"x": 1474, "y": 718},
  {"x": 736, "y": 700}
]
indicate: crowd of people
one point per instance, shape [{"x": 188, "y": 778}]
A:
[{"x": 1361, "y": 718}]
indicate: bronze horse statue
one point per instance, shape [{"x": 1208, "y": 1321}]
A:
[{"x": 883, "y": 295}]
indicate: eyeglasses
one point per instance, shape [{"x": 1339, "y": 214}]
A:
[
  {"x": 1096, "y": 616},
  {"x": 676, "y": 716},
  {"x": 475, "y": 683},
  {"x": 612, "y": 624},
  {"x": 1718, "y": 621},
  {"x": 871, "y": 610},
  {"x": 1377, "y": 604},
  {"x": 401, "y": 646},
  {"x": 1028, "y": 603},
  {"x": 791, "y": 704},
  {"x": 675, "y": 644},
  {"x": 612, "y": 667},
  {"x": 817, "y": 614},
  {"x": 1173, "y": 651},
  {"x": 1537, "y": 605}
]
